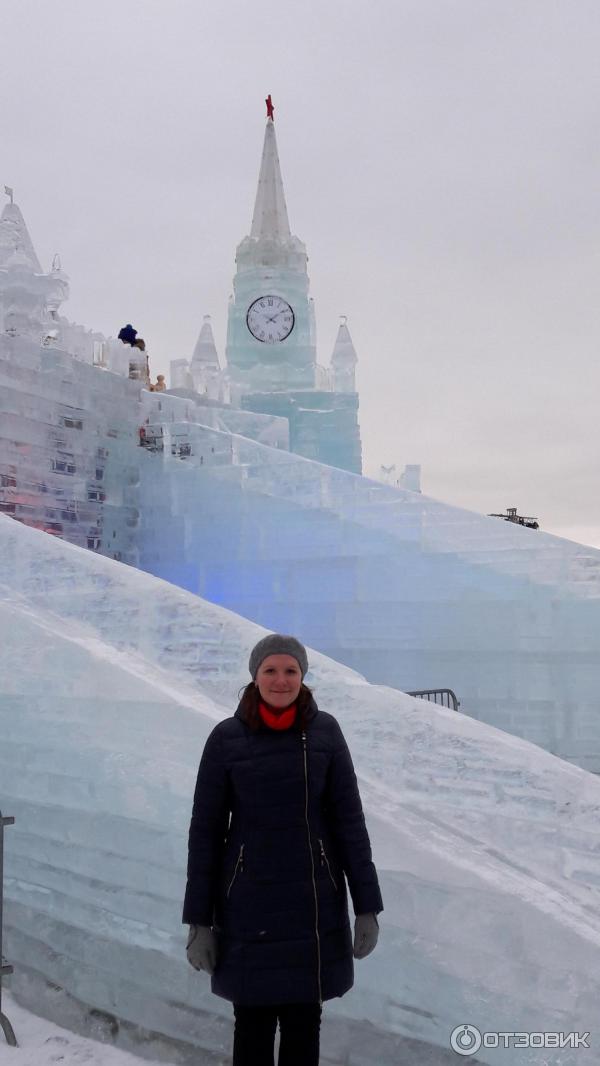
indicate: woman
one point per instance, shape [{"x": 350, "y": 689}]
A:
[{"x": 277, "y": 825}]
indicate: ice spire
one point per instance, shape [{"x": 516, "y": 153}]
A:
[
  {"x": 343, "y": 360},
  {"x": 205, "y": 352},
  {"x": 14, "y": 234},
  {"x": 270, "y": 218}
]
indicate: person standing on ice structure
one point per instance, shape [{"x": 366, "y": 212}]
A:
[{"x": 277, "y": 825}]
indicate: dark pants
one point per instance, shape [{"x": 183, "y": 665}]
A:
[{"x": 254, "y": 1034}]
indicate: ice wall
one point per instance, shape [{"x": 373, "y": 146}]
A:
[
  {"x": 70, "y": 455},
  {"x": 412, "y": 592},
  {"x": 487, "y": 847}
]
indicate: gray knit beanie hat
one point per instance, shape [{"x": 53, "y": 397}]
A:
[{"x": 277, "y": 644}]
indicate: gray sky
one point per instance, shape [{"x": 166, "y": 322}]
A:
[{"x": 440, "y": 160}]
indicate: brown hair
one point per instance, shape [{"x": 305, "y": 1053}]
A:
[{"x": 251, "y": 698}]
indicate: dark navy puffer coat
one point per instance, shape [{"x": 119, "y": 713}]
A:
[{"x": 277, "y": 826}]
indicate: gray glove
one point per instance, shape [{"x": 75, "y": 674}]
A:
[
  {"x": 366, "y": 932},
  {"x": 202, "y": 948}
]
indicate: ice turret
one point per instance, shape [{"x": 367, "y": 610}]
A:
[
  {"x": 13, "y": 234},
  {"x": 205, "y": 368},
  {"x": 343, "y": 360},
  {"x": 59, "y": 291},
  {"x": 205, "y": 352},
  {"x": 29, "y": 297}
]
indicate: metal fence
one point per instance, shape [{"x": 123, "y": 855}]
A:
[
  {"x": 444, "y": 697},
  {"x": 5, "y": 968}
]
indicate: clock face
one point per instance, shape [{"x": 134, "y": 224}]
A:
[{"x": 270, "y": 319}]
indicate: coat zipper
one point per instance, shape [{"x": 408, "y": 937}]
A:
[
  {"x": 240, "y": 863},
  {"x": 312, "y": 862},
  {"x": 323, "y": 856}
]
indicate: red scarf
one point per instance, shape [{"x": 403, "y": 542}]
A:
[{"x": 277, "y": 719}]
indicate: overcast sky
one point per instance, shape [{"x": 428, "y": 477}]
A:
[{"x": 441, "y": 160}]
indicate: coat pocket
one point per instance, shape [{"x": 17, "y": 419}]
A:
[
  {"x": 325, "y": 861},
  {"x": 239, "y": 868}
]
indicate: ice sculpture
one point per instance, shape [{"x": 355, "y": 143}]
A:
[
  {"x": 487, "y": 845},
  {"x": 408, "y": 590},
  {"x": 271, "y": 334},
  {"x": 412, "y": 592}
]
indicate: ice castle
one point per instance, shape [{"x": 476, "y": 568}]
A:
[
  {"x": 241, "y": 487},
  {"x": 242, "y": 484}
]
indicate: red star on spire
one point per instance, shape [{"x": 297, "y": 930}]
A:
[{"x": 270, "y": 108}]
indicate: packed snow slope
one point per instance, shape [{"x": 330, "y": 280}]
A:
[{"x": 488, "y": 847}]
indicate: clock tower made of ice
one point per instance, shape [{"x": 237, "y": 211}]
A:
[{"x": 271, "y": 334}]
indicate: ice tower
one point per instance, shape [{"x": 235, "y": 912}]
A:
[
  {"x": 205, "y": 367},
  {"x": 271, "y": 334},
  {"x": 29, "y": 297},
  {"x": 343, "y": 360}
]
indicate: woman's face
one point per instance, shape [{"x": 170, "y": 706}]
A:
[{"x": 279, "y": 679}]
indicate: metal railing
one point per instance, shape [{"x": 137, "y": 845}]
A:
[
  {"x": 5, "y": 967},
  {"x": 444, "y": 697}
]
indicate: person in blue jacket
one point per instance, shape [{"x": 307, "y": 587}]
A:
[{"x": 277, "y": 829}]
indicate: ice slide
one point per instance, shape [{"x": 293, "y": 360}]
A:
[{"x": 488, "y": 847}]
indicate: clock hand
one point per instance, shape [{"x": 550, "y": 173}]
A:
[{"x": 271, "y": 318}]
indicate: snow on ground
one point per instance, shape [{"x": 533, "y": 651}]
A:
[{"x": 42, "y": 1043}]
